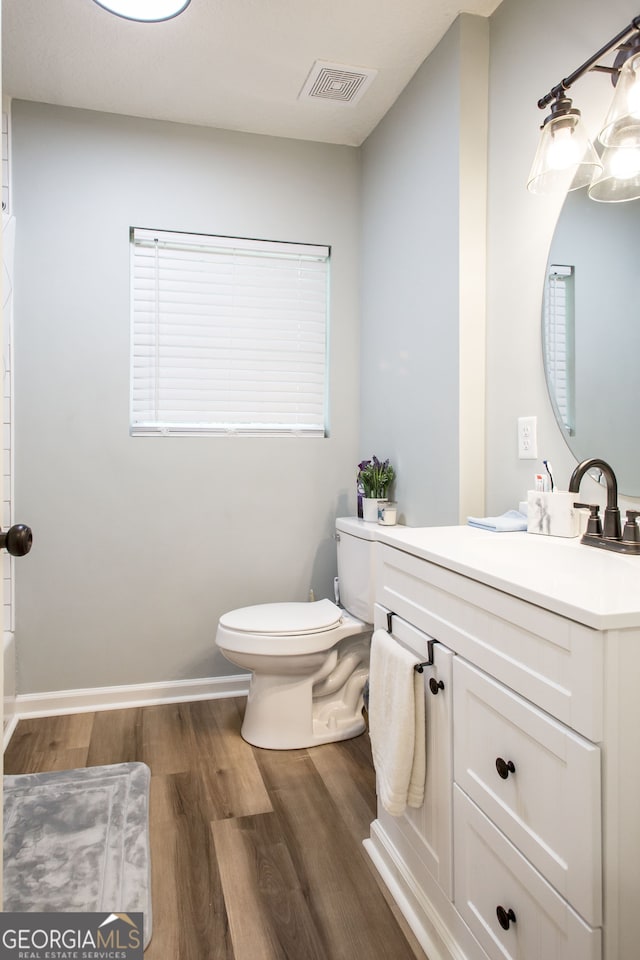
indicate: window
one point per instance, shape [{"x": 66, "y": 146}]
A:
[
  {"x": 559, "y": 349},
  {"x": 228, "y": 335}
]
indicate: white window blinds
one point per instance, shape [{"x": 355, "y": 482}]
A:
[
  {"x": 559, "y": 349},
  {"x": 228, "y": 335}
]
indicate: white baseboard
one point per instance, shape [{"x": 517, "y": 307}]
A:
[
  {"x": 134, "y": 695},
  {"x": 432, "y": 917}
]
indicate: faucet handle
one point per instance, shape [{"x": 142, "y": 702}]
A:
[
  {"x": 594, "y": 524},
  {"x": 631, "y": 532}
]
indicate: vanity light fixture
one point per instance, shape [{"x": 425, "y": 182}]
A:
[
  {"x": 145, "y": 11},
  {"x": 566, "y": 159}
]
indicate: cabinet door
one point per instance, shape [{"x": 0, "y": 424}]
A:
[
  {"x": 423, "y": 836},
  {"x": 513, "y": 912},
  {"x": 537, "y": 780}
]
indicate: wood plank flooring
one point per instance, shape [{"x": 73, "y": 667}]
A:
[{"x": 255, "y": 854}]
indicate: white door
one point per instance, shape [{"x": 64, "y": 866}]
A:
[{"x": 14, "y": 540}]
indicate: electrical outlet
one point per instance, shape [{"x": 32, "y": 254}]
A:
[{"x": 528, "y": 438}]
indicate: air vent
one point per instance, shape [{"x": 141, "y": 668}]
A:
[{"x": 334, "y": 81}]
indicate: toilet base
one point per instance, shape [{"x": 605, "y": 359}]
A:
[
  {"x": 289, "y": 712},
  {"x": 322, "y": 733}
]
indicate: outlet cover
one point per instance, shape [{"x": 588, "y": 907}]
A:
[{"x": 528, "y": 438}]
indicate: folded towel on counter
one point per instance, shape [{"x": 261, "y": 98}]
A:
[
  {"x": 507, "y": 523},
  {"x": 396, "y": 724}
]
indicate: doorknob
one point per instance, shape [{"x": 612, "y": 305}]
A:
[{"x": 16, "y": 540}]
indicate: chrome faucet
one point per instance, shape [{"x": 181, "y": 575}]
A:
[{"x": 607, "y": 535}]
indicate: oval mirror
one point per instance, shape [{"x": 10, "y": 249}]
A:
[{"x": 591, "y": 332}]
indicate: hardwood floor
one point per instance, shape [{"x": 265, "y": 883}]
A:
[{"x": 256, "y": 854}]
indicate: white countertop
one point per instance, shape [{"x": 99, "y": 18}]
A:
[{"x": 595, "y": 587}]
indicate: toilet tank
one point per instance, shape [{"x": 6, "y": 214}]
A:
[{"x": 356, "y": 542}]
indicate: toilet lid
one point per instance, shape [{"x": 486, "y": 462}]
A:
[{"x": 283, "y": 619}]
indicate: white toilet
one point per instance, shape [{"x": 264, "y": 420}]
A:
[{"x": 309, "y": 661}]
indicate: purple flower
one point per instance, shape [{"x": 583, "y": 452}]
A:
[{"x": 375, "y": 476}]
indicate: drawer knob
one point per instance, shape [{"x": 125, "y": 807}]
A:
[
  {"x": 505, "y": 917},
  {"x": 435, "y": 685},
  {"x": 505, "y": 767}
]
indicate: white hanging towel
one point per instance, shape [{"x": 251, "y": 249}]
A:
[{"x": 396, "y": 724}]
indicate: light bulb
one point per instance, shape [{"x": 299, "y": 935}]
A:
[
  {"x": 563, "y": 149},
  {"x": 565, "y": 158},
  {"x": 620, "y": 178},
  {"x": 624, "y": 163}
]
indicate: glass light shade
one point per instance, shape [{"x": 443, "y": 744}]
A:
[
  {"x": 565, "y": 158},
  {"x": 147, "y": 11},
  {"x": 622, "y": 123},
  {"x": 620, "y": 178}
]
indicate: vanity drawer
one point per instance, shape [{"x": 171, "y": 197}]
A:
[
  {"x": 546, "y": 795},
  {"x": 551, "y": 660},
  {"x": 490, "y": 873}
]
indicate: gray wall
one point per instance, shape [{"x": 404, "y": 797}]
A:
[
  {"x": 141, "y": 543},
  {"x": 416, "y": 229}
]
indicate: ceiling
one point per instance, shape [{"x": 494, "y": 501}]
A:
[{"x": 235, "y": 64}]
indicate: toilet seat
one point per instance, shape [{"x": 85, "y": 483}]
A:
[
  {"x": 289, "y": 630},
  {"x": 284, "y": 619}
]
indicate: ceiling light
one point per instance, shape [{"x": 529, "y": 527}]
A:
[
  {"x": 146, "y": 11},
  {"x": 566, "y": 159}
]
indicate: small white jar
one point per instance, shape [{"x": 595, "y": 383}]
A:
[{"x": 387, "y": 512}]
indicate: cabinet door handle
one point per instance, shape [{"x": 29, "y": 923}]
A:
[
  {"x": 435, "y": 685},
  {"x": 505, "y": 767},
  {"x": 505, "y": 917}
]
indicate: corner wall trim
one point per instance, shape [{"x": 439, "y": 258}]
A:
[
  {"x": 59, "y": 702},
  {"x": 8, "y": 730}
]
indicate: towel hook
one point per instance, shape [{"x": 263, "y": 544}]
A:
[{"x": 419, "y": 667}]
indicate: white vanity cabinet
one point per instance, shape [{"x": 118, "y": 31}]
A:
[{"x": 539, "y": 746}]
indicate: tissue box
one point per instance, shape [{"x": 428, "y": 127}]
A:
[{"x": 553, "y": 514}]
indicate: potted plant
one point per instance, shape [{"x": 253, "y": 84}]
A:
[{"x": 374, "y": 480}]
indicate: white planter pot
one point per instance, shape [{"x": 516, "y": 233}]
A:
[{"x": 370, "y": 508}]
